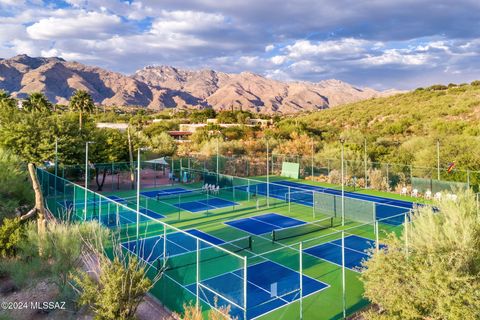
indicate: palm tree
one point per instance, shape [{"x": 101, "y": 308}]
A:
[
  {"x": 6, "y": 100},
  {"x": 82, "y": 102},
  {"x": 37, "y": 102}
]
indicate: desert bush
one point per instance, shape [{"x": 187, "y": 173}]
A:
[
  {"x": 192, "y": 312},
  {"x": 119, "y": 290},
  {"x": 11, "y": 235},
  {"x": 436, "y": 273},
  {"x": 334, "y": 177},
  {"x": 377, "y": 180},
  {"x": 15, "y": 189},
  {"x": 114, "y": 287}
]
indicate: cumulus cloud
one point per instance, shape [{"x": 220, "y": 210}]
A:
[
  {"x": 380, "y": 44},
  {"x": 83, "y": 25}
]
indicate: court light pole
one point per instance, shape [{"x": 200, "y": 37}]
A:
[
  {"x": 438, "y": 159},
  {"x": 313, "y": 155},
  {"x": 86, "y": 179},
  {"x": 217, "y": 162},
  {"x": 56, "y": 165},
  {"x": 365, "y": 161},
  {"x": 268, "y": 175},
  {"x": 139, "y": 167},
  {"x": 56, "y": 156},
  {"x": 342, "y": 141}
]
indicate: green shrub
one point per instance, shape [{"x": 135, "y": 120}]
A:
[
  {"x": 15, "y": 188},
  {"x": 475, "y": 83},
  {"x": 433, "y": 270},
  {"x": 11, "y": 234}
]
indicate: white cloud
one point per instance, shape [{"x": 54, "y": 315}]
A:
[
  {"x": 397, "y": 56},
  {"x": 81, "y": 26},
  {"x": 306, "y": 66},
  {"x": 269, "y": 48},
  {"x": 15, "y": 3},
  {"x": 277, "y": 60},
  {"x": 326, "y": 49},
  {"x": 186, "y": 21}
]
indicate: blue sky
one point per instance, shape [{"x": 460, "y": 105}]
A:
[{"x": 378, "y": 43}]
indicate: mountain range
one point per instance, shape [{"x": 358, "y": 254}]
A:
[{"x": 159, "y": 87}]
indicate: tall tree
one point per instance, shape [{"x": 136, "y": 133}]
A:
[
  {"x": 82, "y": 102},
  {"x": 37, "y": 102}
]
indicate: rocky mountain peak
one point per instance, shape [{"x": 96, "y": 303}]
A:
[{"x": 169, "y": 87}]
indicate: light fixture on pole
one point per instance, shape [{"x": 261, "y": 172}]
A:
[
  {"x": 342, "y": 141},
  {"x": 86, "y": 180}
]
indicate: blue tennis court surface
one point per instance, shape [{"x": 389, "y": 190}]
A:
[
  {"x": 265, "y": 223},
  {"x": 388, "y": 210},
  {"x": 164, "y": 192},
  {"x": 269, "y": 287},
  {"x": 356, "y": 250},
  {"x": 152, "y": 248},
  {"x": 205, "y": 205}
]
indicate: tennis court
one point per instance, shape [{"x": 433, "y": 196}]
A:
[
  {"x": 200, "y": 200},
  {"x": 153, "y": 248},
  {"x": 265, "y": 223},
  {"x": 388, "y": 210},
  {"x": 270, "y": 251},
  {"x": 355, "y": 247},
  {"x": 108, "y": 214},
  {"x": 270, "y": 286}
]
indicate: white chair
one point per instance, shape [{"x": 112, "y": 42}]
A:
[
  {"x": 404, "y": 191},
  {"x": 211, "y": 188},
  {"x": 205, "y": 188},
  {"x": 415, "y": 193},
  {"x": 217, "y": 190},
  {"x": 428, "y": 194},
  {"x": 438, "y": 196},
  {"x": 454, "y": 197}
]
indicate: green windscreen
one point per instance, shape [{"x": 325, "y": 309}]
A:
[
  {"x": 290, "y": 170},
  {"x": 434, "y": 185}
]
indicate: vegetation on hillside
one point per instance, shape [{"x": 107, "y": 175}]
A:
[{"x": 404, "y": 128}]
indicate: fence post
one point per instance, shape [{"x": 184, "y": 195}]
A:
[
  {"x": 301, "y": 280},
  {"x": 197, "y": 303},
  {"x": 344, "y": 300},
  {"x": 245, "y": 306}
]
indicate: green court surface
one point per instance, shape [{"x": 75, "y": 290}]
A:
[{"x": 214, "y": 215}]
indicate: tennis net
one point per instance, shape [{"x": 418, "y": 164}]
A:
[{"x": 296, "y": 231}]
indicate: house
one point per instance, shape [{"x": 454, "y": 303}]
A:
[
  {"x": 180, "y": 136},
  {"x": 112, "y": 125}
]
